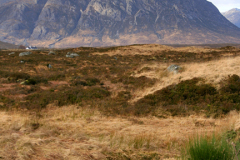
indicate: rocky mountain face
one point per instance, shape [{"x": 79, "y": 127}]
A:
[
  {"x": 233, "y": 16},
  {"x": 71, "y": 23}
]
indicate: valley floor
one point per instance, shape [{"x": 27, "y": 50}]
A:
[{"x": 104, "y": 103}]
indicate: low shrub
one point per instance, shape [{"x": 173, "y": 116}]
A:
[
  {"x": 190, "y": 95},
  {"x": 231, "y": 84},
  {"x": 14, "y": 76},
  {"x": 38, "y": 79},
  {"x": 6, "y": 103},
  {"x": 64, "y": 97},
  {"x": 56, "y": 76},
  {"x": 123, "y": 96},
  {"x": 22, "y": 90},
  {"x": 187, "y": 92},
  {"x": 86, "y": 82},
  {"x": 136, "y": 82}
]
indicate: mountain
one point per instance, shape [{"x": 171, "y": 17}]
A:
[
  {"x": 71, "y": 23},
  {"x": 233, "y": 16},
  {"x": 4, "y": 45}
]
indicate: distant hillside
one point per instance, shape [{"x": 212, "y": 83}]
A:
[
  {"x": 4, "y": 45},
  {"x": 233, "y": 16}
]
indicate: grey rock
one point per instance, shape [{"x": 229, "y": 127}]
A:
[
  {"x": 72, "y": 55},
  {"x": 22, "y": 61},
  {"x": 49, "y": 66},
  {"x": 12, "y": 53},
  {"x": 69, "y": 56},
  {"x": 23, "y": 83},
  {"x": 173, "y": 68},
  {"x": 51, "y": 53},
  {"x": 24, "y": 54}
]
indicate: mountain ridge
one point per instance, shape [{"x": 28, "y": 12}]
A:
[
  {"x": 233, "y": 16},
  {"x": 4, "y": 45},
  {"x": 71, "y": 23}
]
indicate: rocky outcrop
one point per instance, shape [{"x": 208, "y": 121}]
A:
[
  {"x": 25, "y": 54},
  {"x": 12, "y": 53},
  {"x": 72, "y": 55},
  {"x": 71, "y": 23},
  {"x": 17, "y": 19},
  {"x": 173, "y": 68},
  {"x": 51, "y": 53},
  {"x": 233, "y": 16}
]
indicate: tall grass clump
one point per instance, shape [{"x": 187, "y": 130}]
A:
[{"x": 208, "y": 148}]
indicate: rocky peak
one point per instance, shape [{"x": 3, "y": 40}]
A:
[{"x": 233, "y": 16}]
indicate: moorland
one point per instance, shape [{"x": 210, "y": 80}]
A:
[{"x": 116, "y": 102}]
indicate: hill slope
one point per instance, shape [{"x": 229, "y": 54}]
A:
[
  {"x": 4, "y": 45},
  {"x": 233, "y": 16},
  {"x": 72, "y": 23}
]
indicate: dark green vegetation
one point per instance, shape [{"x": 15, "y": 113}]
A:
[
  {"x": 190, "y": 96},
  {"x": 222, "y": 146},
  {"x": 91, "y": 80},
  {"x": 211, "y": 148}
]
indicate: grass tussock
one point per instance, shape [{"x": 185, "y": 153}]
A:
[{"x": 212, "y": 148}]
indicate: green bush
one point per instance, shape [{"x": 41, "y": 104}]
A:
[{"x": 205, "y": 148}]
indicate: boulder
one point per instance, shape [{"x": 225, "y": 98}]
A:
[
  {"x": 51, "y": 53},
  {"x": 24, "y": 54},
  {"x": 12, "y": 53},
  {"x": 174, "y": 68},
  {"x": 49, "y": 66},
  {"x": 72, "y": 55}
]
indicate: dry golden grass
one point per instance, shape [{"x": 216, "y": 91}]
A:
[
  {"x": 149, "y": 49},
  {"x": 212, "y": 72},
  {"x": 72, "y": 132}
]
